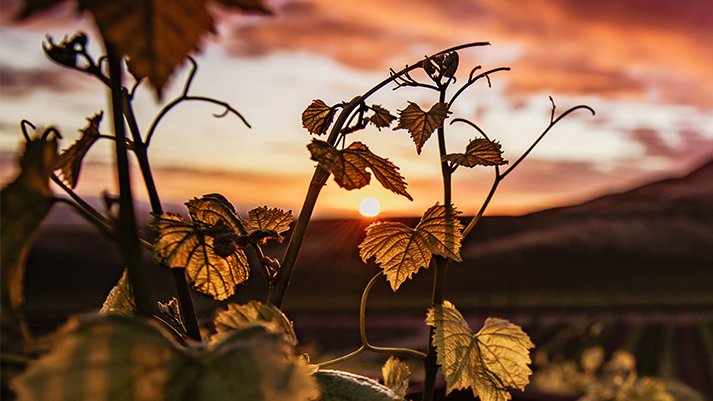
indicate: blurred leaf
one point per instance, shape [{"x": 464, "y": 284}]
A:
[
  {"x": 344, "y": 386},
  {"x": 479, "y": 152},
  {"x": 70, "y": 160},
  {"x": 381, "y": 117},
  {"x": 24, "y": 203},
  {"x": 401, "y": 250},
  {"x": 421, "y": 124},
  {"x": 114, "y": 357},
  {"x": 239, "y": 316},
  {"x": 488, "y": 361},
  {"x": 121, "y": 297},
  {"x": 172, "y": 310},
  {"x": 396, "y": 376},
  {"x": 349, "y": 166},
  {"x": 317, "y": 117},
  {"x": 157, "y": 36},
  {"x": 184, "y": 245},
  {"x": 262, "y": 218}
]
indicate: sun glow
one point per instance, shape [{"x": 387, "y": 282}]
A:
[{"x": 369, "y": 207}]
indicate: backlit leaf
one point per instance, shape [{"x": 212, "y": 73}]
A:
[
  {"x": 121, "y": 297},
  {"x": 401, "y": 251},
  {"x": 421, "y": 124},
  {"x": 479, "y": 152},
  {"x": 70, "y": 160},
  {"x": 183, "y": 245},
  {"x": 489, "y": 361},
  {"x": 262, "y": 218},
  {"x": 239, "y": 316},
  {"x": 212, "y": 210},
  {"x": 337, "y": 385},
  {"x": 396, "y": 376},
  {"x": 349, "y": 166},
  {"x": 317, "y": 117},
  {"x": 381, "y": 117},
  {"x": 24, "y": 203}
]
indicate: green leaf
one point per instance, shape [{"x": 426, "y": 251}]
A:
[
  {"x": 396, "y": 376},
  {"x": 479, "y": 152},
  {"x": 349, "y": 166},
  {"x": 24, "y": 203},
  {"x": 489, "y": 361},
  {"x": 421, "y": 124},
  {"x": 113, "y": 357},
  {"x": 401, "y": 251},
  {"x": 317, "y": 117},
  {"x": 381, "y": 117},
  {"x": 70, "y": 160},
  {"x": 240, "y": 316},
  {"x": 344, "y": 386},
  {"x": 121, "y": 297}
]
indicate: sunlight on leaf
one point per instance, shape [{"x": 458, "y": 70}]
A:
[
  {"x": 214, "y": 210},
  {"x": 349, "y": 166},
  {"x": 488, "y": 361},
  {"x": 421, "y": 124},
  {"x": 337, "y": 385},
  {"x": 239, "y": 316},
  {"x": 262, "y": 218},
  {"x": 479, "y": 152},
  {"x": 401, "y": 251},
  {"x": 24, "y": 203},
  {"x": 317, "y": 117},
  {"x": 381, "y": 117},
  {"x": 121, "y": 297},
  {"x": 70, "y": 160},
  {"x": 396, "y": 376},
  {"x": 183, "y": 245}
]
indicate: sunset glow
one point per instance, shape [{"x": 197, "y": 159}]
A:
[{"x": 369, "y": 207}]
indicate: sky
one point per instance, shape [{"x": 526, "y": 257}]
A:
[{"x": 643, "y": 65}]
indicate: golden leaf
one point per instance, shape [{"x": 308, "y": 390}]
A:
[
  {"x": 479, "y": 152},
  {"x": 121, "y": 297},
  {"x": 488, "y": 361},
  {"x": 396, "y": 375},
  {"x": 337, "y": 385},
  {"x": 69, "y": 162},
  {"x": 349, "y": 166},
  {"x": 262, "y": 218},
  {"x": 317, "y": 117},
  {"x": 239, "y": 316},
  {"x": 381, "y": 117},
  {"x": 442, "y": 230},
  {"x": 212, "y": 210},
  {"x": 421, "y": 124},
  {"x": 183, "y": 245}
]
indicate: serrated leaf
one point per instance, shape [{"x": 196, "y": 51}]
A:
[
  {"x": 421, "y": 124},
  {"x": 184, "y": 245},
  {"x": 489, "y": 361},
  {"x": 479, "y": 152},
  {"x": 344, "y": 386},
  {"x": 262, "y": 218},
  {"x": 215, "y": 210},
  {"x": 114, "y": 357},
  {"x": 157, "y": 36},
  {"x": 381, "y": 117},
  {"x": 401, "y": 251},
  {"x": 121, "y": 298},
  {"x": 349, "y": 166},
  {"x": 24, "y": 203},
  {"x": 317, "y": 117},
  {"x": 396, "y": 375},
  {"x": 69, "y": 162},
  {"x": 239, "y": 316}
]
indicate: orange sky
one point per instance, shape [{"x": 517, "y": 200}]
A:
[{"x": 645, "y": 66}]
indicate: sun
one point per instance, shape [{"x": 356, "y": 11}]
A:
[{"x": 369, "y": 207}]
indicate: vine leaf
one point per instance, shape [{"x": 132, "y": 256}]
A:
[
  {"x": 156, "y": 36},
  {"x": 317, "y": 117},
  {"x": 121, "y": 298},
  {"x": 479, "y": 152},
  {"x": 396, "y": 375},
  {"x": 213, "y": 267},
  {"x": 214, "y": 210},
  {"x": 24, "y": 203},
  {"x": 421, "y": 124},
  {"x": 401, "y": 251},
  {"x": 69, "y": 162},
  {"x": 349, "y": 166},
  {"x": 240, "y": 316},
  {"x": 115, "y": 357},
  {"x": 381, "y": 117},
  {"x": 262, "y": 218},
  {"x": 488, "y": 361},
  {"x": 337, "y": 385}
]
